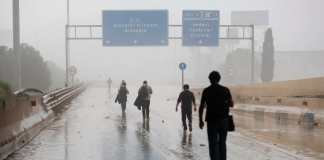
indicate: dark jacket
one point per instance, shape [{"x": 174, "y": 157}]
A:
[
  {"x": 117, "y": 99},
  {"x": 120, "y": 98},
  {"x": 138, "y": 102}
]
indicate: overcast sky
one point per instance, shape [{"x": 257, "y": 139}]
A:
[{"x": 297, "y": 25}]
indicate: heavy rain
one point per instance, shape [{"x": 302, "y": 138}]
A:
[{"x": 161, "y": 79}]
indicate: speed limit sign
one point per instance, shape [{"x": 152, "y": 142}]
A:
[
  {"x": 231, "y": 72},
  {"x": 72, "y": 71}
]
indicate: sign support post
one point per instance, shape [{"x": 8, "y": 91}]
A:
[
  {"x": 72, "y": 71},
  {"x": 182, "y": 80},
  {"x": 182, "y": 66}
]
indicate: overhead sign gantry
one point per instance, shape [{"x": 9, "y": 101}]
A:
[
  {"x": 200, "y": 28},
  {"x": 135, "y": 28},
  {"x": 124, "y": 34}
]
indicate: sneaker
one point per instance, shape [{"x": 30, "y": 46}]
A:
[{"x": 190, "y": 127}]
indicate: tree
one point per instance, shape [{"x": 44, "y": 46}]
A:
[
  {"x": 34, "y": 71},
  {"x": 57, "y": 75},
  {"x": 268, "y": 62},
  {"x": 6, "y": 65},
  {"x": 3, "y": 50}
]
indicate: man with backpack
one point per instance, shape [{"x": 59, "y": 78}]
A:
[
  {"x": 218, "y": 100},
  {"x": 122, "y": 96},
  {"x": 145, "y": 92},
  {"x": 186, "y": 98}
]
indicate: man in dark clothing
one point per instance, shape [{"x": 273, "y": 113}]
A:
[
  {"x": 145, "y": 92},
  {"x": 218, "y": 100},
  {"x": 186, "y": 98},
  {"x": 122, "y": 93}
]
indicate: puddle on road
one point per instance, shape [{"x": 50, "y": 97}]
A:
[{"x": 304, "y": 139}]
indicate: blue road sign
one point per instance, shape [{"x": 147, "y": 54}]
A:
[
  {"x": 182, "y": 66},
  {"x": 200, "y": 28},
  {"x": 135, "y": 28}
]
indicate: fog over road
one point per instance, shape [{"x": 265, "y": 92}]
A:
[{"x": 92, "y": 126}]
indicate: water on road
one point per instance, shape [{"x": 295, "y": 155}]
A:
[{"x": 93, "y": 126}]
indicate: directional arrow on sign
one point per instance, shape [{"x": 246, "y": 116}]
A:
[
  {"x": 107, "y": 41},
  {"x": 200, "y": 41},
  {"x": 162, "y": 41},
  {"x": 135, "y": 41}
]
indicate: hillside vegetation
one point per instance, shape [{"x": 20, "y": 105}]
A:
[{"x": 5, "y": 91}]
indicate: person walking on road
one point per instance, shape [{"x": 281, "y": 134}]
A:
[
  {"x": 218, "y": 100},
  {"x": 109, "y": 81},
  {"x": 123, "y": 81},
  {"x": 122, "y": 96},
  {"x": 145, "y": 92},
  {"x": 186, "y": 98}
]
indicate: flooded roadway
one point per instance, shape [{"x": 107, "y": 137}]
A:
[{"x": 92, "y": 126}]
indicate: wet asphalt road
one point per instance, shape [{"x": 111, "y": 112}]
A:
[{"x": 92, "y": 126}]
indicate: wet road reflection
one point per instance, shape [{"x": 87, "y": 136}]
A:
[
  {"x": 294, "y": 138},
  {"x": 93, "y": 127}
]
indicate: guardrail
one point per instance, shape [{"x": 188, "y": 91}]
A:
[{"x": 54, "y": 98}]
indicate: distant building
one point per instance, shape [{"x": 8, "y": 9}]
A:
[{"x": 6, "y": 38}]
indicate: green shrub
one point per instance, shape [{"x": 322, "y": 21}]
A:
[
  {"x": 5, "y": 90},
  {"x": 6, "y": 87}
]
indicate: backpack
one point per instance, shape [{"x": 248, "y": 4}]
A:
[
  {"x": 143, "y": 92},
  {"x": 122, "y": 91}
]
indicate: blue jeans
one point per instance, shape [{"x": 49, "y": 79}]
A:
[
  {"x": 186, "y": 112},
  {"x": 217, "y": 133}
]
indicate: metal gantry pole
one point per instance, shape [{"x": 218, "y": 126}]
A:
[
  {"x": 16, "y": 45},
  {"x": 252, "y": 48}
]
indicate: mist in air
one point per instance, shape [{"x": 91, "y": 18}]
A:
[{"x": 296, "y": 32}]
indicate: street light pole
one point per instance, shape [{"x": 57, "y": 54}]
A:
[
  {"x": 252, "y": 48},
  {"x": 16, "y": 44},
  {"x": 67, "y": 35}
]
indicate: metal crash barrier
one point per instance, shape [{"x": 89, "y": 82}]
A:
[{"x": 55, "y": 98}]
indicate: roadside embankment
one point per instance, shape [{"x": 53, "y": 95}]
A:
[
  {"x": 296, "y": 100},
  {"x": 24, "y": 117}
]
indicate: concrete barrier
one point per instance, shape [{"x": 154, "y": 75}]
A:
[
  {"x": 22, "y": 119},
  {"x": 295, "y": 100},
  {"x": 300, "y": 110},
  {"x": 302, "y": 87},
  {"x": 20, "y": 123}
]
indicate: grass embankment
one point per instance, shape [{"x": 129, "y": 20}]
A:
[{"x": 5, "y": 91}]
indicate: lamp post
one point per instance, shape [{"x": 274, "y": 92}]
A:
[
  {"x": 16, "y": 44},
  {"x": 67, "y": 56}
]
